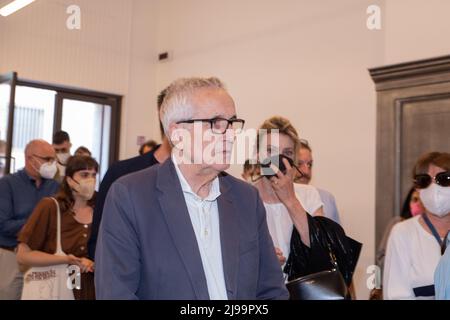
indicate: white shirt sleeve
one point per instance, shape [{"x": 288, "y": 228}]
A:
[
  {"x": 396, "y": 281},
  {"x": 309, "y": 197}
]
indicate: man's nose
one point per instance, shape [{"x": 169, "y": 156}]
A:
[{"x": 230, "y": 134}]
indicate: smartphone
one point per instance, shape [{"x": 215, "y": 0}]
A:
[{"x": 277, "y": 161}]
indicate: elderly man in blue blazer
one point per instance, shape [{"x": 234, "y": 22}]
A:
[{"x": 184, "y": 229}]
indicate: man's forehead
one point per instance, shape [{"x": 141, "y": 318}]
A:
[
  {"x": 46, "y": 150},
  {"x": 213, "y": 102}
]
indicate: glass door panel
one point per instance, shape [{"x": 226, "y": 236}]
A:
[
  {"x": 88, "y": 124},
  {"x": 33, "y": 119}
]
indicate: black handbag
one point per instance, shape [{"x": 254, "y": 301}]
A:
[{"x": 324, "y": 285}]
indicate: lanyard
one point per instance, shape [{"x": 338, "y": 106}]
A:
[{"x": 442, "y": 244}]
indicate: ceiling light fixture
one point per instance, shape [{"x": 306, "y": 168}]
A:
[{"x": 14, "y": 6}]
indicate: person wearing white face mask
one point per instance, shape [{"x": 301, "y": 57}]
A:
[
  {"x": 62, "y": 145},
  {"x": 19, "y": 194},
  {"x": 76, "y": 201},
  {"x": 415, "y": 246}
]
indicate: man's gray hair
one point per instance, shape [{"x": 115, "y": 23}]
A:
[{"x": 177, "y": 103}]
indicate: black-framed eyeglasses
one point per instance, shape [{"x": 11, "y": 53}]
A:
[
  {"x": 422, "y": 181},
  {"x": 220, "y": 125}
]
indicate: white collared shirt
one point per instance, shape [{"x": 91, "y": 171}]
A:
[
  {"x": 204, "y": 214},
  {"x": 412, "y": 255}
]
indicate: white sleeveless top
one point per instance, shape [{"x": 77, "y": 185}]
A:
[{"x": 280, "y": 223}]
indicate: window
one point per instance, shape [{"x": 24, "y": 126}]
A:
[{"x": 32, "y": 110}]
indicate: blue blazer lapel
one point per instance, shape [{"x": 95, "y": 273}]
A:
[
  {"x": 180, "y": 227},
  {"x": 229, "y": 238}
]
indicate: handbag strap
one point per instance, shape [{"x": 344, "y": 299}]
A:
[
  {"x": 59, "y": 250},
  {"x": 331, "y": 254}
]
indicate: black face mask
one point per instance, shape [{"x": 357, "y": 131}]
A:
[{"x": 277, "y": 161}]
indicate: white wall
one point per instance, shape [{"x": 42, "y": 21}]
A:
[
  {"x": 416, "y": 29},
  {"x": 303, "y": 60},
  {"x": 113, "y": 52}
]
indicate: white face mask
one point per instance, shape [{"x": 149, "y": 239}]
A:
[
  {"x": 436, "y": 199},
  {"x": 84, "y": 188},
  {"x": 63, "y": 157},
  {"x": 48, "y": 170}
]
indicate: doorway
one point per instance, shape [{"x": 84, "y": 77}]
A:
[{"x": 32, "y": 110}]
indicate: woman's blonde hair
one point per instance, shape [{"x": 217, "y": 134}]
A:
[{"x": 280, "y": 125}]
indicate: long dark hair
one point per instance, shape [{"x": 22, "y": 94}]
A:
[{"x": 74, "y": 164}]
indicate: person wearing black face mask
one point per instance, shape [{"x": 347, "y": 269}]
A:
[{"x": 303, "y": 243}]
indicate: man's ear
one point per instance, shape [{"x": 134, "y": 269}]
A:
[
  {"x": 172, "y": 133},
  {"x": 29, "y": 157}
]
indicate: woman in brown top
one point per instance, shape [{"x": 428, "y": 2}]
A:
[{"x": 37, "y": 240}]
